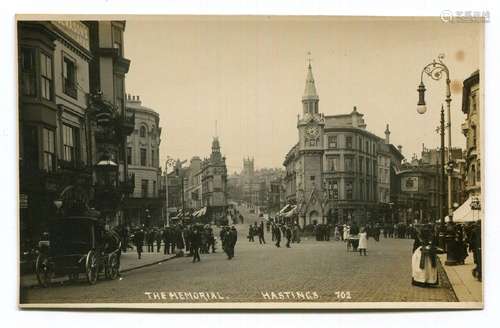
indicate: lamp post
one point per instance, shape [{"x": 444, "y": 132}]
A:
[
  {"x": 436, "y": 70},
  {"x": 168, "y": 163}
]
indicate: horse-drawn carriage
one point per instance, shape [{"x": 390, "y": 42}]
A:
[{"x": 79, "y": 245}]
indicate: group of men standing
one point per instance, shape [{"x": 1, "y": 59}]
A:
[{"x": 175, "y": 238}]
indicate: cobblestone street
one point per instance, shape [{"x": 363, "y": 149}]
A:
[{"x": 324, "y": 269}]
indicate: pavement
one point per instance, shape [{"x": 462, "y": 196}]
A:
[
  {"x": 128, "y": 262},
  {"x": 466, "y": 287}
]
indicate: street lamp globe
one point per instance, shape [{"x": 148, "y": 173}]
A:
[{"x": 421, "y": 107}]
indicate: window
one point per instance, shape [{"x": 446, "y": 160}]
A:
[
  {"x": 46, "y": 76},
  {"x": 361, "y": 190},
  {"x": 348, "y": 142},
  {"x": 313, "y": 177},
  {"x": 48, "y": 150},
  {"x": 332, "y": 141},
  {"x": 144, "y": 188},
  {"x": 333, "y": 189},
  {"x": 152, "y": 157},
  {"x": 28, "y": 72},
  {"x": 117, "y": 39},
  {"x": 367, "y": 148},
  {"x": 360, "y": 144},
  {"x": 69, "y": 77},
  {"x": 70, "y": 143},
  {"x": 30, "y": 148},
  {"x": 142, "y": 132},
  {"x": 473, "y": 103},
  {"x": 129, "y": 155},
  {"x": 368, "y": 169},
  {"x": 332, "y": 163},
  {"x": 143, "y": 156},
  {"x": 119, "y": 92},
  {"x": 154, "y": 188},
  {"x": 360, "y": 168},
  {"x": 474, "y": 136},
  {"x": 348, "y": 190},
  {"x": 348, "y": 164}
]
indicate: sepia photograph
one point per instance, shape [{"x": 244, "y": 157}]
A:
[{"x": 250, "y": 162}]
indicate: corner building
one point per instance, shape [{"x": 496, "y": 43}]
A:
[
  {"x": 332, "y": 172},
  {"x": 143, "y": 148}
]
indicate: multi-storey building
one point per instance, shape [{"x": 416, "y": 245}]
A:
[
  {"x": 331, "y": 173},
  {"x": 471, "y": 128},
  {"x": 214, "y": 183},
  {"x": 143, "y": 149},
  {"x": 71, "y": 121},
  {"x": 417, "y": 194},
  {"x": 193, "y": 186},
  {"x": 200, "y": 189}
]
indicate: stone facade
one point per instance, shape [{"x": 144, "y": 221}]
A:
[
  {"x": 332, "y": 172},
  {"x": 471, "y": 128},
  {"x": 143, "y": 149},
  {"x": 72, "y": 122}
]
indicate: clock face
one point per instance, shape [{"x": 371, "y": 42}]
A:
[{"x": 312, "y": 131}]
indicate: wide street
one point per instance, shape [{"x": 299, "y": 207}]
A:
[{"x": 310, "y": 268}]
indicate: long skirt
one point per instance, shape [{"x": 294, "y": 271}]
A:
[{"x": 427, "y": 276}]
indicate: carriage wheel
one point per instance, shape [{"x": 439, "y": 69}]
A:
[
  {"x": 91, "y": 268},
  {"x": 112, "y": 267},
  {"x": 43, "y": 271}
]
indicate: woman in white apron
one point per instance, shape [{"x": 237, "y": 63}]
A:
[{"x": 424, "y": 260}]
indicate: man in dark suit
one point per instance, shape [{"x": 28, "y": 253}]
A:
[
  {"x": 261, "y": 233},
  {"x": 195, "y": 239},
  {"x": 139, "y": 241},
  {"x": 232, "y": 238},
  {"x": 277, "y": 235}
]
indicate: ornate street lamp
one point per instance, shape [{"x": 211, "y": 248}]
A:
[{"x": 436, "y": 70}]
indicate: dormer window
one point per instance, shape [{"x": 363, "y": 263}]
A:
[{"x": 142, "y": 132}]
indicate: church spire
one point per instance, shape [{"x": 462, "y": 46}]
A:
[{"x": 310, "y": 98}]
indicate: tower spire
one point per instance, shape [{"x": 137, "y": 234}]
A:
[{"x": 310, "y": 98}]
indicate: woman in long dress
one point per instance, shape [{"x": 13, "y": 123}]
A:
[
  {"x": 346, "y": 232},
  {"x": 424, "y": 260},
  {"x": 363, "y": 242}
]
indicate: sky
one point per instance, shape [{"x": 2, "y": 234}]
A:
[{"x": 248, "y": 75}]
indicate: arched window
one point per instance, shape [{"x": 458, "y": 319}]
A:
[
  {"x": 473, "y": 175},
  {"x": 142, "y": 132}
]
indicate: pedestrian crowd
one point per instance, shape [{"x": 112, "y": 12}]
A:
[{"x": 179, "y": 239}]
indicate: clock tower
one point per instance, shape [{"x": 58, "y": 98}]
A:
[
  {"x": 309, "y": 165},
  {"x": 312, "y": 122}
]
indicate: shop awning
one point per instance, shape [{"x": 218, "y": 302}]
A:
[
  {"x": 291, "y": 212},
  {"x": 200, "y": 212},
  {"x": 465, "y": 213},
  {"x": 285, "y": 209}
]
